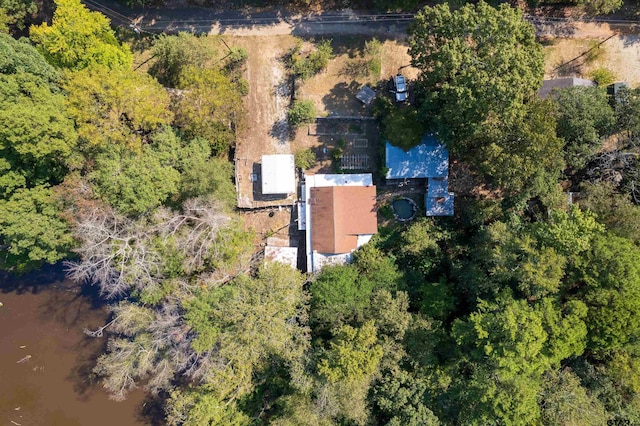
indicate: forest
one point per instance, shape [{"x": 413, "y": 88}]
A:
[{"x": 522, "y": 309}]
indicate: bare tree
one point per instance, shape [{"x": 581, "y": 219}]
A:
[
  {"x": 119, "y": 253},
  {"x": 115, "y": 253}
]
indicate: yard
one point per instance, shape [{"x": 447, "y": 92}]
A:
[
  {"x": 345, "y": 138},
  {"x": 620, "y": 54},
  {"x": 333, "y": 92}
]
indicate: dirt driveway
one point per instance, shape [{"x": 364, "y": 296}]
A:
[{"x": 267, "y": 103}]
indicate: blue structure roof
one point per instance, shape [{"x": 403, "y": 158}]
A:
[
  {"x": 438, "y": 187},
  {"x": 427, "y": 160},
  {"x": 439, "y": 206}
]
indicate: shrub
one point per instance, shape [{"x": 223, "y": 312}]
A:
[
  {"x": 243, "y": 86},
  {"x": 305, "y": 158},
  {"x": 603, "y": 76},
  {"x": 375, "y": 67},
  {"x": 386, "y": 212},
  {"x": 373, "y": 47},
  {"x": 336, "y": 153},
  {"x": 316, "y": 61},
  {"x": 237, "y": 57},
  {"x": 301, "y": 112}
]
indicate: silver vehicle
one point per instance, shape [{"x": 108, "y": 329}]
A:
[{"x": 400, "y": 85}]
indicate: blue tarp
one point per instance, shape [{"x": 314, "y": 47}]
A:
[
  {"x": 439, "y": 206},
  {"x": 429, "y": 159},
  {"x": 438, "y": 187}
]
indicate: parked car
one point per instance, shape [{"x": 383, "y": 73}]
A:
[{"x": 400, "y": 86}]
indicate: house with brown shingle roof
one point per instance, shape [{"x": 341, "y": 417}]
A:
[{"x": 339, "y": 216}]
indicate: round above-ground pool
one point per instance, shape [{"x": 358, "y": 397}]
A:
[{"x": 404, "y": 209}]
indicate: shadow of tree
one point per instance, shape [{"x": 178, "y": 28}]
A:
[
  {"x": 82, "y": 375},
  {"x": 151, "y": 411},
  {"x": 341, "y": 99},
  {"x": 575, "y": 68},
  {"x": 34, "y": 281},
  {"x": 281, "y": 131}
]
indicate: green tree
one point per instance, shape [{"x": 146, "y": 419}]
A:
[
  {"x": 612, "y": 278},
  {"x": 301, "y": 112},
  {"x": 512, "y": 343},
  {"x": 614, "y": 210},
  {"x": 524, "y": 157},
  {"x": 488, "y": 398},
  {"x": 399, "y": 398},
  {"x": 201, "y": 408},
  {"x": 19, "y": 56},
  {"x": 478, "y": 64},
  {"x": 337, "y": 296},
  {"x": 627, "y": 110},
  {"x": 116, "y": 107},
  {"x": 210, "y": 107},
  {"x": 346, "y": 370},
  {"x": 566, "y": 403},
  {"x": 79, "y": 38},
  {"x": 133, "y": 183},
  {"x": 402, "y": 127},
  {"x": 353, "y": 354},
  {"x": 174, "y": 53},
  {"x": 584, "y": 118},
  {"x": 305, "y": 67},
  {"x": 600, "y": 7},
  {"x": 305, "y": 158},
  {"x": 32, "y": 232},
  {"x": 16, "y": 12},
  {"x": 200, "y": 173},
  {"x": 377, "y": 267},
  {"x": 36, "y": 136},
  {"x": 569, "y": 232},
  {"x": 248, "y": 323},
  {"x": 4, "y": 21},
  {"x": 613, "y": 391}
]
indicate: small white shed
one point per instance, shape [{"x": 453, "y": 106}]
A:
[{"x": 278, "y": 174}]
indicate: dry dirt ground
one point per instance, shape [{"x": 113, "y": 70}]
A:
[
  {"x": 620, "y": 54},
  {"x": 266, "y": 104},
  {"x": 333, "y": 90}
]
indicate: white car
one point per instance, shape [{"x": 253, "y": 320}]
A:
[{"x": 400, "y": 85}]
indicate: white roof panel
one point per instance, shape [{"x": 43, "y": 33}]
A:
[
  {"x": 286, "y": 255},
  {"x": 278, "y": 174}
]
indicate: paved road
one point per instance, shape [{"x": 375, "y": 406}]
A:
[{"x": 276, "y": 22}]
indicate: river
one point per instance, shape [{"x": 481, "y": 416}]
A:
[{"x": 46, "y": 359}]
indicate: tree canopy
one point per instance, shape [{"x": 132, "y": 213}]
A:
[
  {"x": 116, "y": 107},
  {"x": 79, "y": 38},
  {"x": 31, "y": 230},
  {"x": 584, "y": 119},
  {"x": 478, "y": 64}
]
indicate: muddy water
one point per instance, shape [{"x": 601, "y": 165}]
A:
[{"x": 46, "y": 360}]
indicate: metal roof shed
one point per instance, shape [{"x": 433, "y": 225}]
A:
[
  {"x": 366, "y": 95},
  {"x": 278, "y": 174},
  {"x": 548, "y": 86}
]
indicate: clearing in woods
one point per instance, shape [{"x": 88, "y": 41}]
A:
[{"x": 332, "y": 91}]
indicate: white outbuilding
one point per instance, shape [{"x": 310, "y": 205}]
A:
[{"x": 278, "y": 174}]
